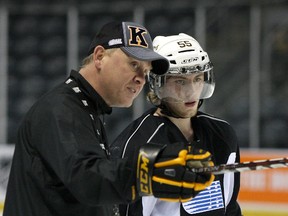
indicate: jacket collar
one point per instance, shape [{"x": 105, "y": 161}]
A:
[{"x": 99, "y": 104}]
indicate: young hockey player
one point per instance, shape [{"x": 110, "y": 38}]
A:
[{"x": 178, "y": 96}]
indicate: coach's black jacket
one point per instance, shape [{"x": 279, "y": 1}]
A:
[
  {"x": 60, "y": 165},
  {"x": 212, "y": 134}
]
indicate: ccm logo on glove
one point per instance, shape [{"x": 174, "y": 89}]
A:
[
  {"x": 146, "y": 161},
  {"x": 143, "y": 175}
]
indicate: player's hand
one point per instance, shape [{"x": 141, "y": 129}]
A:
[
  {"x": 164, "y": 171},
  {"x": 198, "y": 158}
]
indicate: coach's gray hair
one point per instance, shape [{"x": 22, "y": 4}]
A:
[{"x": 87, "y": 60}]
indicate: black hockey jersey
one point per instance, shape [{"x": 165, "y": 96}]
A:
[{"x": 212, "y": 134}]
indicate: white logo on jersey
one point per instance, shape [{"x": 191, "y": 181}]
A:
[{"x": 207, "y": 200}]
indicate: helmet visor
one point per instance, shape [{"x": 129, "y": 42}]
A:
[{"x": 185, "y": 87}]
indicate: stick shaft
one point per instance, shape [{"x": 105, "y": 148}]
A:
[{"x": 244, "y": 166}]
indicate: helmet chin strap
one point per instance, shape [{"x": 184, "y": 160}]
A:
[
  {"x": 165, "y": 109},
  {"x": 200, "y": 103}
]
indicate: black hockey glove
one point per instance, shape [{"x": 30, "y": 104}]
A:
[{"x": 164, "y": 171}]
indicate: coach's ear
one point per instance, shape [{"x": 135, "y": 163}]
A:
[{"x": 98, "y": 54}]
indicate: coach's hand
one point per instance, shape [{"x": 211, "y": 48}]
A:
[{"x": 164, "y": 171}]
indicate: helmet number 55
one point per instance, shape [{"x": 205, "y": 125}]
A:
[{"x": 183, "y": 44}]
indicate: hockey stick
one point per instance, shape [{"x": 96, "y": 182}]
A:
[{"x": 244, "y": 166}]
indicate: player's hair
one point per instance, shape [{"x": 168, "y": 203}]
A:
[{"x": 152, "y": 97}]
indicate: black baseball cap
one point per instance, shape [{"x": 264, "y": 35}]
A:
[{"x": 134, "y": 40}]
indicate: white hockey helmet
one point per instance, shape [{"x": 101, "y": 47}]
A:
[{"x": 186, "y": 57}]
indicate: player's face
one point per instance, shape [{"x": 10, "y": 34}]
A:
[
  {"x": 183, "y": 88},
  {"x": 185, "y": 91},
  {"x": 185, "y": 110},
  {"x": 123, "y": 78}
]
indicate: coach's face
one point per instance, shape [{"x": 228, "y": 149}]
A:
[{"x": 120, "y": 77}]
